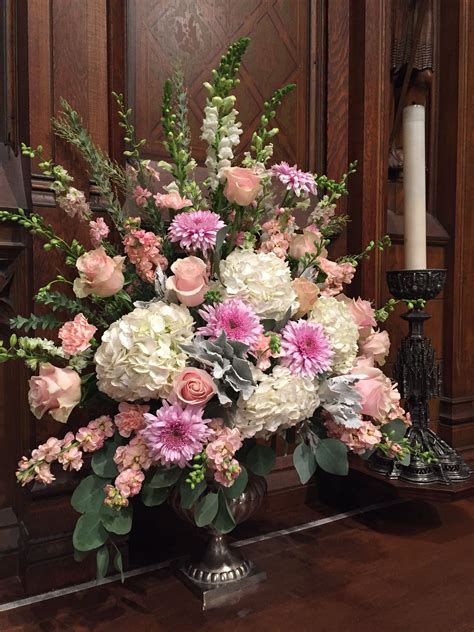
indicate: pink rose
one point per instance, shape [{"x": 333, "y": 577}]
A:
[
  {"x": 76, "y": 335},
  {"x": 377, "y": 392},
  {"x": 172, "y": 200},
  {"x": 54, "y": 390},
  {"x": 99, "y": 274},
  {"x": 305, "y": 243},
  {"x": 242, "y": 186},
  {"x": 194, "y": 387},
  {"x": 306, "y": 293},
  {"x": 362, "y": 312},
  {"x": 189, "y": 282},
  {"x": 376, "y": 345}
]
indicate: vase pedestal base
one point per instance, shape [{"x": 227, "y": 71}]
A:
[{"x": 216, "y": 595}]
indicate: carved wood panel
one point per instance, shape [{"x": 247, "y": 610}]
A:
[{"x": 195, "y": 34}]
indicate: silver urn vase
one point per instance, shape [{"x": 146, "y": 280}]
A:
[{"x": 219, "y": 574}]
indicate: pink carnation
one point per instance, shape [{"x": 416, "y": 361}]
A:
[
  {"x": 235, "y": 318},
  {"x": 76, "y": 335},
  {"x": 358, "y": 440},
  {"x": 98, "y": 230},
  {"x": 305, "y": 350},
  {"x": 376, "y": 345},
  {"x": 175, "y": 434},
  {"x": 196, "y": 230},
  {"x": 172, "y": 200},
  {"x": 130, "y": 418},
  {"x": 262, "y": 352}
]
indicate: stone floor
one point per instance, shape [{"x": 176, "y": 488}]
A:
[{"x": 403, "y": 568}]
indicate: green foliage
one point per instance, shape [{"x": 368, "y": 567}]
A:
[
  {"x": 381, "y": 244},
  {"x": 88, "y": 497},
  {"x": 108, "y": 175},
  {"x": 154, "y": 496},
  {"x": 103, "y": 463},
  {"x": 224, "y": 521},
  {"x": 304, "y": 460},
  {"x": 89, "y": 533},
  {"x": 189, "y": 495},
  {"x": 164, "y": 477},
  {"x": 37, "y": 226},
  {"x": 239, "y": 485},
  {"x": 34, "y": 321},
  {"x": 206, "y": 509},
  {"x": 102, "y": 562},
  {"x": 331, "y": 456},
  {"x": 224, "y": 76},
  {"x": 261, "y": 459}
]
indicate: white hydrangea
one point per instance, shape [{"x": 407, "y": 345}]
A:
[
  {"x": 262, "y": 280},
  {"x": 340, "y": 329},
  {"x": 281, "y": 400},
  {"x": 140, "y": 355}
]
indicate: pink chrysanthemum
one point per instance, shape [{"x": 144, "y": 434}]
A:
[
  {"x": 305, "y": 350},
  {"x": 300, "y": 182},
  {"x": 175, "y": 434},
  {"x": 233, "y": 316},
  {"x": 196, "y": 230}
]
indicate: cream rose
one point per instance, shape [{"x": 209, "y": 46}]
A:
[
  {"x": 194, "y": 387},
  {"x": 305, "y": 243},
  {"x": 54, "y": 390},
  {"x": 189, "y": 282},
  {"x": 242, "y": 186},
  {"x": 99, "y": 274},
  {"x": 306, "y": 293}
]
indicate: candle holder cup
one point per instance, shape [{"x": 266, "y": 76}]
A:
[{"x": 419, "y": 381}]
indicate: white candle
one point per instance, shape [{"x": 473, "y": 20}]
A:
[{"x": 414, "y": 181}]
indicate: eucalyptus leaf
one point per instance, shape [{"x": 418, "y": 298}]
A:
[
  {"x": 261, "y": 459},
  {"x": 89, "y": 494},
  {"x": 89, "y": 532},
  {"x": 206, "y": 509},
  {"x": 331, "y": 456},
  {"x": 395, "y": 430},
  {"x": 188, "y": 495},
  {"x": 118, "y": 521},
  {"x": 118, "y": 565},
  {"x": 102, "y": 562},
  {"x": 239, "y": 485},
  {"x": 224, "y": 521},
  {"x": 79, "y": 556},
  {"x": 304, "y": 462},
  {"x": 103, "y": 463},
  {"x": 165, "y": 477},
  {"x": 154, "y": 496}
]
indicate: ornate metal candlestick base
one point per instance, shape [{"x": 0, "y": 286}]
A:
[{"x": 418, "y": 377}]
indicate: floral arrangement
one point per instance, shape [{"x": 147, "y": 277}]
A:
[{"x": 205, "y": 319}]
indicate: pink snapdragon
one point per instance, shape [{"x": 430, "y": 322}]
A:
[
  {"x": 141, "y": 195},
  {"x": 98, "y": 230},
  {"x": 358, "y": 440},
  {"x": 220, "y": 453},
  {"x": 129, "y": 482},
  {"x": 143, "y": 248},
  {"x": 337, "y": 275},
  {"x": 262, "y": 352},
  {"x": 74, "y": 204}
]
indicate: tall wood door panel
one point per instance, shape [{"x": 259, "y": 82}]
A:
[{"x": 194, "y": 35}]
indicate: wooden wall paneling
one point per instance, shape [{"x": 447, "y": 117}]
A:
[
  {"x": 368, "y": 137},
  {"x": 161, "y": 33},
  {"x": 455, "y": 202}
]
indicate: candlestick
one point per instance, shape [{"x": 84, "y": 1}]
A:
[
  {"x": 419, "y": 380},
  {"x": 414, "y": 181}
]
